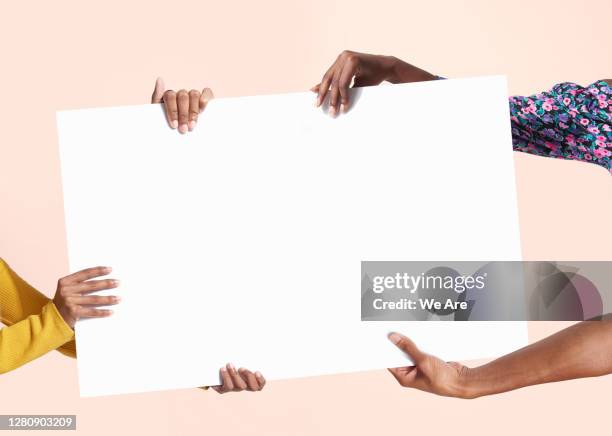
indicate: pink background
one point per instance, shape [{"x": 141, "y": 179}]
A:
[{"x": 65, "y": 55}]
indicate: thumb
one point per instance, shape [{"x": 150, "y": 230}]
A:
[
  {"x": 404, "y": 376},
  {"x": 206, "y": 96},
  {"x": 408, "y": 347},
  {"x": 159, "y": 90}
]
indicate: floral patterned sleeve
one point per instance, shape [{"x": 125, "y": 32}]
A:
[{"x": 569, "y": 122}]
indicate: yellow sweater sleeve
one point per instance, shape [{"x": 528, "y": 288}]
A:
[{"x": 35, "y": 327}]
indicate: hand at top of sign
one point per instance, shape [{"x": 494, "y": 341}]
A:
[
  {"x": 366, "y": 70},
  {"x": 182, "y": 107}
]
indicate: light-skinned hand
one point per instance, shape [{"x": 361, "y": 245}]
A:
[
  {"x": 73, "y": 297},
  {"x": 182, "y": 107}
]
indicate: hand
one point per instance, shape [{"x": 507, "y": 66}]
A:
[
  {"x": 72, "y": 297},
  {"x": 182, "y": 107},
  {"x": 239, "y": 380},
  {"x": 429, "y": 373},
  {"x": 366, "y": 70}
]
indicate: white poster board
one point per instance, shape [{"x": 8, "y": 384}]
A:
[{"x": 241, "y": 241}]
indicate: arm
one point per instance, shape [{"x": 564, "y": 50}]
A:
[
  {"x": 37, "y": 325},
  {"x": 18, "y": 301},
  {"x": 32, "y": 337},
  {"x": 582, "y": 350},
  {"x": 569, "y": 121}
]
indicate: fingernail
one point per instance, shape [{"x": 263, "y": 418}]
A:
[
  {"x": 232, "y": 367},
  {"x": 223, "y": 370},
  {"x": 318, "y": 101},
  {"x": 343, "y": 108},
  {"x": 258, "y": 374},
  {"x": 174, "y": 124},
  {"x": 107, "y": 269},
  {"x": 332, "y": 111},
  {"x": 241, "y": 369},
  {"x": 192, "y": 124},
  {"x": 116, "y": 282},
  {"x": 183, "y": 128},
  {"x": 117, "y": 299},
  {"x": 395, "y": 338},
  {"x": 108, "y": 313}
]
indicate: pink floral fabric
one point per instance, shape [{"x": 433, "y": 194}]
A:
[{"x": 569, "y": 122}]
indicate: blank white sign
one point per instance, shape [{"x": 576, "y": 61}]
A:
[{"x": 241, "y": 241}]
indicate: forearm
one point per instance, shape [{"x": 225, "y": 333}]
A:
[
  {"x": 19, "y": 300},
  {"x": 32, "y": 337},
  {"x": 569, "y": 121},
  {"x": 582, "y": 350}
]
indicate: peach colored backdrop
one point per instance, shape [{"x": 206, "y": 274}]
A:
[{"x": 64, "y": 55}]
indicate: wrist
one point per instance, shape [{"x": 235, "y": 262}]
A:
[
  {"x": 488, "y": 379},
  {"x": 469, "y": 384},
  {"x": 393, "y": 69},
  {"x": 61, "y": 323},
  {"x": 402, "y": 72},
  {"x": 63, "y": 312}
]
